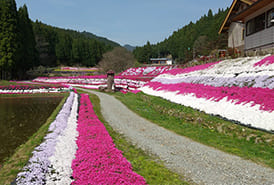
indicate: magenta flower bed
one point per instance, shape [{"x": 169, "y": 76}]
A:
[
  {"x": 97, "y": 160},
  {"x": 257, "y": 96},
  {"x": 75, "y": 77},
  {"x": 134, "y": 77},
  {"x": 266, "y": 61},
  {"x": 191, "y": 69}
]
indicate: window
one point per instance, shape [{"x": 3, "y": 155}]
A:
[
  {"x": 243, "y": 34},
  {"x": 270, "y": 18},
  {"x": 256, "y": 24}
]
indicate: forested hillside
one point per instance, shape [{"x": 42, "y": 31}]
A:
[
  {"x": 25, "y": 44},
  {"x": 194, "y": 39},
  {"x": 59, "y": 46},
  {"x": 101, "y": 39}
]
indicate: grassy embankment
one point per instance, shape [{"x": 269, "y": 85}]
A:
[
  {"x": 4, "y": 83},
  {"x": 150, "y": 167},
  {"x": 214, "y": 131},
  {"x": 22, "y": 154},
  {"x": 7, "y": 83}
]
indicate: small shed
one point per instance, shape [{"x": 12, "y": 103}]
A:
[{"x": 161, "y": 61}]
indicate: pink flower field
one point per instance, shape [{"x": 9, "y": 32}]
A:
[
  {"x": 129, "y": 80},
  {"x": 78, "y": 150},
  {"x": 241, "y": 89},
  {"x": 97, "y": 160}
]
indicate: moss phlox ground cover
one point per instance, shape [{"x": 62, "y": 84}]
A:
[
  {"x": 239, "y": 89},
  {"x": 78, "y": 151},
  {"x": 97, "y": 160},
  {"x": 38, "y": 166},
  {"x": 129, "y": 80}
]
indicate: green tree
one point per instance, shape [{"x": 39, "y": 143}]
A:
[
  {"x": 201, "y": 46},
  {"x": 46, "y": 40},
  {"x": 64, "y": 48},
  {"x": 8, "y": 37},
  {"x": 27, "y": 54},
  {"x": 67, "y": 46},
  {"x": 143, "y": 54},
  {"x": 87, "y": 52},
  {"x": 210, "y": 14},
  {"x": 76, "y": 51}
]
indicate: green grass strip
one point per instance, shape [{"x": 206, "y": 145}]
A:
[
  {"x": 6, "y": 83},
  {"x": 214, "y": 131},
  {"x": 148, "y": 166},
  {"x": 22, "y": 154}
]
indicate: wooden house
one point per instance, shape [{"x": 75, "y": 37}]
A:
[
  {"x": 235, "y": 29},
  {"x": 259, "y": 27},
  {"x": 250, "y": 28}
]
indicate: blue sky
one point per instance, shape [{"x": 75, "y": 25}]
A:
[{"x": 131, "y": 22}]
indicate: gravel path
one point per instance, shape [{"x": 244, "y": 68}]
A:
[{"x": 200, "y": 163}]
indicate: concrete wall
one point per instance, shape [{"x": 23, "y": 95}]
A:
[
  {"x": 260, "y": 51},
  {"x": 235, "y": 37}
]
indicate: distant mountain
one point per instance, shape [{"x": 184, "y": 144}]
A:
[
  {"x": 129, "y": 47},
  {"x": 101, "y": 39}
]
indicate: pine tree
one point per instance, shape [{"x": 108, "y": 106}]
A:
[
  {"x": 64, "y": 48},
  {"x": 27, "y": 54},
  {"x": 8, "y": 37},
  {"x": 76, "y": 51},
  {"x": 209, "y": 14}
]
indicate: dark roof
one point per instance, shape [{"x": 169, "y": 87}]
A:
[
  {"x": 256, "y": 6},
  {"x": 227, "y": 20},
  {"x": 160, "y": 59}
]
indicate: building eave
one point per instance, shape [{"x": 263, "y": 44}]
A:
[
  {"x": 223, "y": 27},
  {"x": 256, "y": 6},
  {"x": 247, "y": 2},
  {"x": 227, "y": 16}
]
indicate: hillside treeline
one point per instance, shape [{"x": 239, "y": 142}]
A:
[
  {"x": 25, "y": 44},
  {"x": 192, "y": 40},
  {"x": 59, "y": 46}
]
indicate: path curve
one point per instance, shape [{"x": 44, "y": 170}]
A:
[{"x": 200, "y": 163}]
